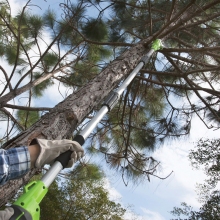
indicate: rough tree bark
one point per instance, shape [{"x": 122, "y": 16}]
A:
[{"x": 61, "y": 121}]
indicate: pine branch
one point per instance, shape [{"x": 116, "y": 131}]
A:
[
  {"x": 175, "y": 22},
  {"x": 7, "y": 79},
  {"x": 6, "y": 112},
  {"x": 18, "y": 46},
  {"x": 192, "y": 61},
  {"x": 27, "y": 108},
  {"x": 173, "y": 74},
  {"x": 172, "y": 10},
  {"x": 116, "y": 44},
  {"x": 179, "y": 86},
  {"x": 139, "y": 7},
  {"x": 130, "y": 121},
  {"x": 150, "y": 17},
  {"x": 201, "y": 21},
  {"x": 193, "y": 49},
  {"x": 194, "y": 86},
  {"x": 15, "y": 92}
]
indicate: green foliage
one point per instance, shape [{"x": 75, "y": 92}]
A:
[
  {"x": 154, "y": 102},
  {"x": 144, "y": 139},
  {"x": 185, "y": 210},
  {"x": 39, "y": 89},
  {"x": 67, "y": 37},
  {"x": 80, "y": 198},
  {"x": 11, "y": 54},
  {"x": 116, "y": 36},
  {"x": 2, "y": 48},
  {"x": 82, "y": 73},
  {"x": 79, "y": 47},
  {"x": 206, "y": 156},
  {"x": 36, "y": 24},
  {"x": 84, "y": 172},
  {"x": 119, "y": 8},
  {"x": 50, "y": 18},
  {"x": 95, "y": 30},
  {"x": 214, "y": 115},
  {"x": 27, "y": 118},
  {"x": 51, "y": 206},
  {"x": 97, "y": 52},
  {"x": 76, "y": 12},
  {"x": 50, "y": 60},
  {"x": 21, "y": 24},
  {"x": 208, "y": 211}
]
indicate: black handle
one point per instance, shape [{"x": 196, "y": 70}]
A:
[
  {"x": 18, "y": 211},
  {"x": 66, "y": 156}
]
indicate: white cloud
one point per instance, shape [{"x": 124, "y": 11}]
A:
[
  {"x": 150, "y": 215},
  {"x": 147, "y": 215},
  {"x": 16, "y": 6},
  {"x": 131, "y": 216},
  {"x": 113, "y": 193},
  {"x": 181, "y": 185}
]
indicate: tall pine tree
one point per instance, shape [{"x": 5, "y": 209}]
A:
[{"x": 151, "y": 110}]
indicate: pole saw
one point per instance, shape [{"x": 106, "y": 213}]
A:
[{"x": 26, "y": 207}]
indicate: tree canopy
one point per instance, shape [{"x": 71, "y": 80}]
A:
[
  {"x": 204, "y": 156},
  {"x": 81, "y": 197},
  {"x": 91, "y": 53}
]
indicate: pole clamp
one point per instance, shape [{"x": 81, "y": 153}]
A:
[{"x": 111, "y": 100}]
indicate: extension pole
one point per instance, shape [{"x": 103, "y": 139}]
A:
[
  {"x": 109, "y": 103},
  {"x": 27, "y": 206}
]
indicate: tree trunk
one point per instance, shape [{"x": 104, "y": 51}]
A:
[{"x": 61, "y": 121}]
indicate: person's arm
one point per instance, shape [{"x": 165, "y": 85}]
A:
[
  {"x": 34, "y": 151},
  {"x": 14, "y": 163}
]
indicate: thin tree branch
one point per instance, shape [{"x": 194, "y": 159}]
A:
[
  {"x": 6, "y": 112},
  {"x": 26, "y": 108}
]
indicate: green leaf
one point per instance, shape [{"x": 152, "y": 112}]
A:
[
  {"x": 26, "y": 119},
  {"x": 36, "y": 24},
  {"x": 11, "y": 54},
  {"x": 92, "y": 150},
  {"x": 50, "y": 60},
  {"x": 95, "y": 30},
  {"x": 21, "y": 23},
  {"x": 97, "y": 52},
  {"x": 87, "y": 172},
  {"x": 144, "y": 139},
  {"x": 50, "y": 18},
  {"x": 82, "y": 73},
  {"x": 2, "y": 49}
]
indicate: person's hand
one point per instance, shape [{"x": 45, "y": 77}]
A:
[
  {"x": 50, "y": 150},
  {"x": 6, "y": 214}
]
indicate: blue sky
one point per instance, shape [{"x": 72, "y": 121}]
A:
[{"x": 151, "y": 200}]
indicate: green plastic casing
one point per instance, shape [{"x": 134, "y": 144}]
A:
[
  {"x": 157, "y": 45},
  {"x": 34, "y": 192}
]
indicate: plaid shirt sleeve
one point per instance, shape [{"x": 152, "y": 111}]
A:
[{"x": 14, "y": 163}]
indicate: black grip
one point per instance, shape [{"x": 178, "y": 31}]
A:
[
  {"x": 18, "y": 211},
  {"x": 66, "y": 156}
]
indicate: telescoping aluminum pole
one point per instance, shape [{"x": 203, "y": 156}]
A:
[
  {"x": 109, "y": 103},
  {"x": 27, "y": 206}
]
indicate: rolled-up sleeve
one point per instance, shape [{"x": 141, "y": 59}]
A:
[{"x": 14, "y": 163}]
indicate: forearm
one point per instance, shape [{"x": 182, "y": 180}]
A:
[
  {"x": 34, "y": 151},
  {"x": 14, "y": 163}
]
